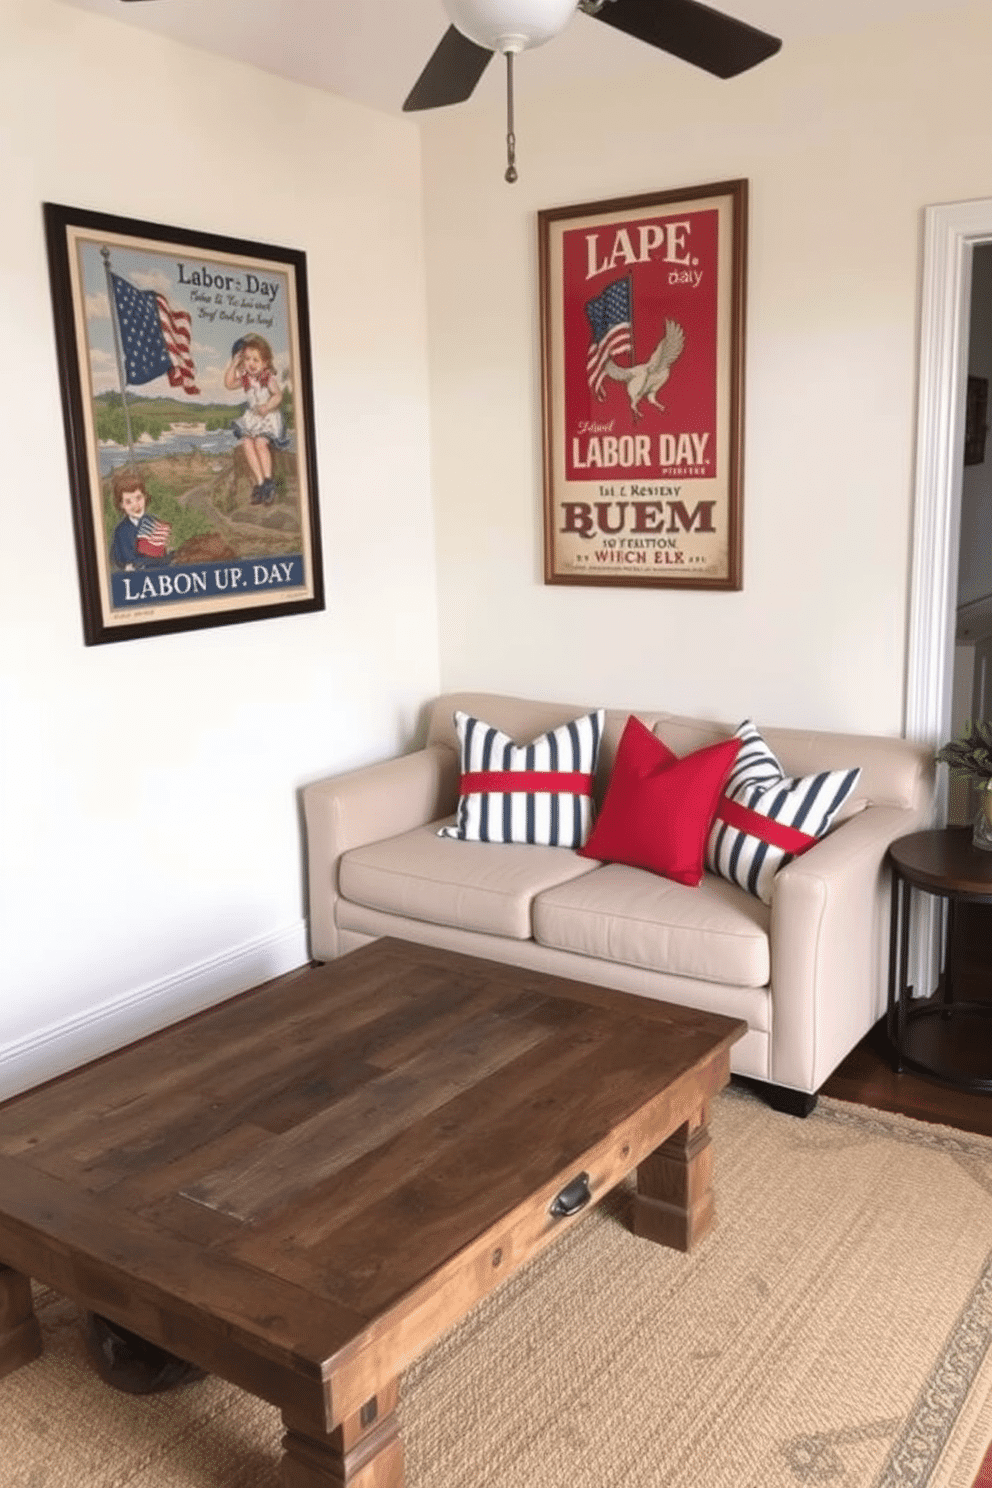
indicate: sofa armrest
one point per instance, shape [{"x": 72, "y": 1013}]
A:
[
  {"x": 830, "y": 945},
  {"x": 367, "y": 805}
]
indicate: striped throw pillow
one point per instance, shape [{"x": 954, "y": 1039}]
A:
[
  {"x": 539, "y": 792},
  {"x": 766, "y": 818}
]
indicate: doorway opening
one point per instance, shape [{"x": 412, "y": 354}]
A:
[
  {"x": 971, "y": 680},
  {"x": 952, "y": 235}
]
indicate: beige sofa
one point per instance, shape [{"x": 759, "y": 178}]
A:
[{"x": 808, "y": 973}]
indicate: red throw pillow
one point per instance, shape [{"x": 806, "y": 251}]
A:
[{"x": 658, "y": 809}]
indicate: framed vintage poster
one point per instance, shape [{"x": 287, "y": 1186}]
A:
[
  {"x": 184, "y": 362},
  {"x": 642, "y": 339}
]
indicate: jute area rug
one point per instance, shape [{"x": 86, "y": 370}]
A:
[{"x": 834, "y": 1329}]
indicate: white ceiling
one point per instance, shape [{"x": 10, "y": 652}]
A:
[{"x": 372, "y": 51}]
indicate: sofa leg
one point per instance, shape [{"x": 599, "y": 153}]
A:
[{"x": 783, "y": 1097}]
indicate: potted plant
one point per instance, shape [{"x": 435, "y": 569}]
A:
[{"x": 971, "y": 756}]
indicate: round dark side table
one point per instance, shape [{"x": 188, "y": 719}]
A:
[{"x": 940, "y": 1036}]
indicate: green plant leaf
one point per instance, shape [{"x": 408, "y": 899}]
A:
[{"x": 971, "y": 755}]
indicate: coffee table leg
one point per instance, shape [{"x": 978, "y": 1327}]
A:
[
  {"x": 674, "y": 1200},
  {"x": 365, "y": 1451},
  {"x": 20, "y": 1335}
]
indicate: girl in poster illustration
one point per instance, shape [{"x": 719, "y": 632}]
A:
[
  {"x": 140, "y": 540},
  {"x": 260, "y": 426}
]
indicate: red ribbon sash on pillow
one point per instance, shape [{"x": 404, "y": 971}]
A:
[
  {"x": 789, "y": 839},
  {"x": 575, "y": 781}
]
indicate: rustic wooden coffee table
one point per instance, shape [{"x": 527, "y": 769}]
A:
[{"x": 300, "y": 1189}]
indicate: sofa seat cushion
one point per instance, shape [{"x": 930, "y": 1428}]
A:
[
  {"x": 484, "y": 886},
  {"x": 716, "y": 932}
]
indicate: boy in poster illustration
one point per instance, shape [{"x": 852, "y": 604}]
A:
[
  {"x": 260, "y": 426},
  {"x": 140, "y": 540}
]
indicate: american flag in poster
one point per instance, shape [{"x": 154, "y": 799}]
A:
[
  {"x": 153, "y": 536},
  {"x": 155, "y": 338},
  {"x": 609, "y": 320}
]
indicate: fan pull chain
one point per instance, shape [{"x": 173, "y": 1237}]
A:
[{"x": 511, "y": 138}]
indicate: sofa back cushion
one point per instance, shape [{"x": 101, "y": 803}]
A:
[
  {"x": 524, "y": 719},
  {"x": 894, "y": 772}
]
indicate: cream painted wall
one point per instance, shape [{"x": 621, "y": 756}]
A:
[
  {"x": 149, "y": 834},
  {"x": 843, "y": 142}
]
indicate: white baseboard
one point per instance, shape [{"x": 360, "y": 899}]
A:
[{"x": 66, "y": 1045}]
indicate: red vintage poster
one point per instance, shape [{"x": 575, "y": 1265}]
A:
[{"x": 642, "y": 306}]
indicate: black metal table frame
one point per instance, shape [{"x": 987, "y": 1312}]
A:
[{"x": 900, "y": 1011}]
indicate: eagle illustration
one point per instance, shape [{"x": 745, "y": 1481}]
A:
[{"x": 645, "y": 380}]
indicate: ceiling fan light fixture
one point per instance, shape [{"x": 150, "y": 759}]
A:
[{"x": 510, "y": 25}]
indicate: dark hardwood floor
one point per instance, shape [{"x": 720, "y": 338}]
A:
[{"x": 867, "y": 1077}]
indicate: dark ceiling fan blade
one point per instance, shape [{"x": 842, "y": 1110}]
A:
[
  {"x": 698, "y": 34},
  {"x": 451, "y": 74}
]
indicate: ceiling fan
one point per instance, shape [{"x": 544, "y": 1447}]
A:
[{"x": 687, "y": 29}]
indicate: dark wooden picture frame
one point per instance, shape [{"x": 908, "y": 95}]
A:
[
  {"x": 641, "y": 296},
  {"x": 186, "y": 382}
]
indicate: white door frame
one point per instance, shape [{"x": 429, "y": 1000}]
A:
[{"x": 950, "y": 235}]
